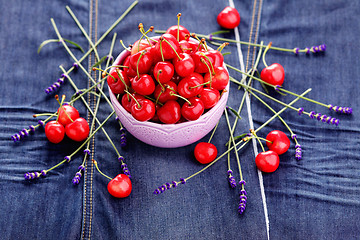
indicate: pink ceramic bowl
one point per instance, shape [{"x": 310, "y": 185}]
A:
[{"x": 169, "y": 135}]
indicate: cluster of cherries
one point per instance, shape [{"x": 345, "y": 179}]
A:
[
  {"x": 170, "y": 79},
  {"x": 68, "y": 122}
]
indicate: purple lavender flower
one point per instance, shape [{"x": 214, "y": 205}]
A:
[
  {"x": 231, "y": 179},
  {"x": 298, "y": 152},
  {"x": 31, "y": 175},
  {"x": 324, "y": 118},
  {"x": 300, "y": 111},
  {"x": 67, "y": 158},
  {"x": 296, "y": 50},
  {"x": 76, "y": 66},
  {"x": 346, "y": 110},
  {"x": 165, "y": 187},
  {"x": 243, "y": 200},
  {"x": 123, "y": 140},
  {"x": 77, "y": 177},
  {"x": 22, "y": 134},
  {"x": 124, "y": 167}
]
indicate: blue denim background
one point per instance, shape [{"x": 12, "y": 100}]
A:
[{"x": 315, "y": 198}]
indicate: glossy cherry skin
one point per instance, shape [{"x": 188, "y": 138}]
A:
[
  {"x": 143, "y": 64},
  {"x": 143, "y": 111},
  {"x": 201, "y": 67},
  {"x": 163, "y": 72},
  {"x": 194, "y": 110},
  {"x": 220, "y": 80},
  {"x": 198, "y": 76},
  {"x": 165, "y": 95},
  {"x": 130, "y": 72},
  {"x": 65, "y": 112},
  {"x": 144, "y": 85},
  {"x": 78, "y": 130},
  {"x": 279, "y": 142},
  {"x": 54, "y": 131},
  {"x": 273, "y": 74},
  {"x": 228, "y": 18},
  {"x": 126, "y": 102},
  {"x": 167, "y": 51},
  {"x": 173, "y": 30},
  {"x": 155, "y": 55},
  {"x": 117, "y": 84},
  {"x": 170, "y": 112},
  {"x": 189, "y": 87},
  {"x": 120, "y": 186},
  {"x": 219, "y": 58},
  {"x": 267, "y": 161},
  {"x": 210, "y": 97},
  {"x": 185, "y": 66},
  {"x": 205, "y": 152},
  {"x": 139, "y": 46},
  {"x": 186, "y": 46}
]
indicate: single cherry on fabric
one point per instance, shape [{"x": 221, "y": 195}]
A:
[
  {"x": 278, "y": 142},
  {"x": 54, "y": 131},
  {"x": 228, "y": 18},
  {"x": 267, "y": 161},
  {"x": 273, "y": 74},
  {"x": 120, "y": 186},
  {"x": 78, "y": 130},
  {"x": 66, "y": 111},
  {"x": 205, "y": 152}
]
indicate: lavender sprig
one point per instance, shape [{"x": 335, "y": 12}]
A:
[
  {"x": 76, "y": 179},
  {"x": 298, "y": 153},
  {"x": 124, "y": 167},
  {"x": 346, "y": 110},
  {"x": 231, "y": 179},
  {"x": 324, "y": 118},
  {"x": 167, "y": 186},
  {"x": 243, "y": 197},
  {"x": 56, "y": 85}
]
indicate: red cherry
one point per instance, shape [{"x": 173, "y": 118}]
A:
[
  {"x": 54, "y": 131},
  {"x": 144, "y": 85},
  {"x": 136, "y": 48},
  {"x": 220, "y": 80},
  {"x": 228, "y": 18},
  {"x": 144, "y": 64},
  {"x": 167, "y": 50},
  {"x": 163, "y": 72},
  {"x": 155, "y": 55},
  {"x": 165, "y": 95},
  {"x": 219, "y": 58},
  {"x": 176, "y": 78},
  {"x": 189, "y": 87},
  {"x": 173, "y": 30},
  {"x": 205, "y": 152},
  {"x": 273, "y": 74},
  {"x": 126, "y": 102},
  {"x": 130, "y": 72},
  {"x": 143, "y": 111},
  {"x": 185, "y": 66},
  {"x": 65, "y": 112},
  {"x": 120, "y": 186},
  {"x": 201, "y": 67},
  {"x": 169, "y": 113},
  {"x": 279, "y": 142},
  {"x": 78, "y": 130},
  {"x": 198, "y": 76},
  {"x": 267, "y": 161},
  {"x": 210, "y": 97},
  {"x": 117, "y": 84},
  {"x": 186, "y": 46},
  {"x": 193, "y": 111}
]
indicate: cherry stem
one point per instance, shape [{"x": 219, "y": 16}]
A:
[
  {"x": 210, "y": 73},
  {"x": 212, "y": 67},
  {"x": 97, "y": 168},
  {"x": 197, "y": 38},
  {"x": 265, "y": 51},
  {"x": 137, "y": 64},
  {"x": 179, "y": 96},
  {"x": 254, "y": 134},
  {"x": 203, "y": 41},
  {"x": 157, "y": 79},
  {"x": 221, "y": 47},
  {"x": 178, "y": 29},
  {"x": 123, "y": 45},
  {"x": 161, "y": 51},
  {"x": 61, "y": 107},
  {"x": 202, "y": 84},
  {"x": 213, "y": 132},
  {"x": 136, "y": 101}
]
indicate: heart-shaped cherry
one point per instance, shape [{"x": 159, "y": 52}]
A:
[
  {"x": 120, "y": 186},
  {"x": 143, "y": 85},
  {"x": 205, "y": 152},
  {"x": 210, "y": 97},
  {"x": 117, "y": 81},
  {"x": 193, "y": 109},
  {"x": 66, "y": 111},
  {"x": 219, "y": 80},
  {"x": 184, "y": 66},
  {"x": 228, "y": 18},
  {"x": 267, "y": 161},
  {"x": 163, "y": 72},
  {"x": 278, "y": 141},
  {"x": 169, "y": 113},
  {"x": 273, "y": 74},
  {"x": 189, "y": 87},
  {"x": 168, "y": 44},
  {"x": 54, "y": 131},
  {"x": 183, "y": 32},
  {"x": 143, "y": 109},
  {"x": 165, "y": 93},
  {"x": 78, "y": 130}
]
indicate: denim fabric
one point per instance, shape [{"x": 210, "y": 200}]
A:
[{"x": 314, "y": 198}]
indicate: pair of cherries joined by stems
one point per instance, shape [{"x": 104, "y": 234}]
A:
[
  {"x": 68, "y": 122},
  {"x": 169, "y": 80}
]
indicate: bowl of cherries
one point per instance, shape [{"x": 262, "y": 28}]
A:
[{"x": 169, "y": 91}]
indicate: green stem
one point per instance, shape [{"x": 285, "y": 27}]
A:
[
  {"x": 213, "y": 132},
  {"x": 97, "y": 167}
]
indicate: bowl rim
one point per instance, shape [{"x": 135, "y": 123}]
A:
[{"x": 223, "y": 97}]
